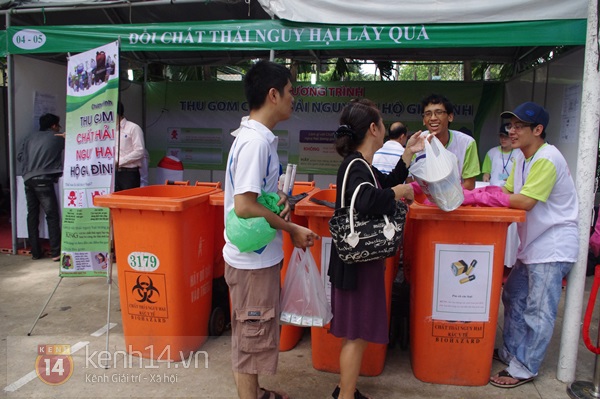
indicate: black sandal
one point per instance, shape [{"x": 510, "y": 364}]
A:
[
  {"x": 357, "y": 395},
  {"x": 505, "y": 373},
  {"x": 267, "y": 394}
]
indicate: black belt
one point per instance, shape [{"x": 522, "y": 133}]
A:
[
  {"x": 128, "y": 169},
  {"x": 44, "y": 177}
]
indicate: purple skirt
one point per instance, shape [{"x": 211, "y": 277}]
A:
[{"x": 362, "y": 313}]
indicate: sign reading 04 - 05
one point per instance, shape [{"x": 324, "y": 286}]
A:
[
  {"x": 143, "y": 261},
  {"x": 29, "y": 39}
]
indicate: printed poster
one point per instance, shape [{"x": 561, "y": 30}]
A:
[
  {"x": 92, "y": 96},
  {"x": 462, "y": 282},
  {"x": 193, "y": 121}
]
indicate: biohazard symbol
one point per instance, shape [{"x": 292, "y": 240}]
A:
[{"x": 145, "y": 290}]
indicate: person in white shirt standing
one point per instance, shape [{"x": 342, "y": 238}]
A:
[
  {"x": 386, "y": 158},
  {"x": 541, "y": 184},
  {"x": 130, "y": 152},
  {"x": 254, "y": 277},
  {"x": 438, "y": 113}
]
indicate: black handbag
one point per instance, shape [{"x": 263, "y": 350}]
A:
[{"x": 361, "y": 238}]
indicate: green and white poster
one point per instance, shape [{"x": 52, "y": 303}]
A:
[
  {"x": 92, "y": 95},
  {"x": 193, "y": 121}
]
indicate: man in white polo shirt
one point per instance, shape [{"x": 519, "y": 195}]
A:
[
  {"x": 541, "y": 184},
  {"x": 254, "y": 277},
  {"x": 438, "y": 113}
]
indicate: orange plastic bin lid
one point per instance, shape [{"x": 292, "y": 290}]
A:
[
  {"x": 308, "y": 208},
  {"x": 217, "y": 198},
  {"x": 419, "y": 211},
  {"x": 157, "y": 198}
]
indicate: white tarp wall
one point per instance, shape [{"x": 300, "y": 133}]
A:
[
  {"x": 416, "y": 11},
  {"x": 552, "y": 85}
]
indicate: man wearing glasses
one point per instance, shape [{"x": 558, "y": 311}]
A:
[
  {"x": 541, "y": 184},
  {"x": 438, "y": 112}
]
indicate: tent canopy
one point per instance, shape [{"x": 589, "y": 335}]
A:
[
  {"x": 417, "y": 11},
  {"x": 485, "y": 31}
]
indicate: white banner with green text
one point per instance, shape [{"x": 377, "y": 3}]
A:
[{"x": 92, "y": 96}]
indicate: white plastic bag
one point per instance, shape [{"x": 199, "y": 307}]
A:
[
  {"x": 439, "y": 176},
  {"x": 303, "y": 299}
]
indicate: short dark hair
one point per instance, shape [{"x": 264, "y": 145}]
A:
[
  {"x": 120, "y": 109},
  {"x": 356, "y": 117},
  {"x": 48, "y": 120},
  {"x": 262, "y": 77},
  {"x": 437, "y": 99},
  {"x": 398, "y": 131}
]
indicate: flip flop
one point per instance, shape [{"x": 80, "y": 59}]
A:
[
  {"x": 272, "y": 395},
  {"x": 505, "y": 373},
  {"x": 496, "y": 356}
]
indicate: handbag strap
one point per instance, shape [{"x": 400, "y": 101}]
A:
[
  {"x": 343, "y": 202},
  {"x": 353, "y": 200}
]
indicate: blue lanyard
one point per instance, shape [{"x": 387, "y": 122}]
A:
[{"x": 504, "y": 165}]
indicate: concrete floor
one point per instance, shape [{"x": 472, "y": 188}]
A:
[{"x": 79, "y": 308}]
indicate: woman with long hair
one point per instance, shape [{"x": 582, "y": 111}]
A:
[{"x": 358, "y": 289}]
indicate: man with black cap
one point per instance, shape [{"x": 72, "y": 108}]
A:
[{"x": 541, "y": 184}]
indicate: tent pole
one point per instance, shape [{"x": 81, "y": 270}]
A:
[
  {"x": 586, "y": 172},
  {"x": 11, "y": 144}
]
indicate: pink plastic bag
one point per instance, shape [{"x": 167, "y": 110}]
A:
[
  {"x": 486, "y": 196},
  {"x": 595, "y": 239},
  {"x": 303, "y": 299}
]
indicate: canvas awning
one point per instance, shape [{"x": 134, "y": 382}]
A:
[
  {"x": 416, "y": 11},
  {"x": 476, "y": 31},
  {"x": 284, "y": 36}
]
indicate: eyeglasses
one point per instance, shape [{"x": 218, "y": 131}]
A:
[
  {"x": 437, "y": 113},
  {"x": 518, "y": 127}
]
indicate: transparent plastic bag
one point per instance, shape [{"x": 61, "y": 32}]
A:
[
  {"x": 303, "y": 299},
  {"x": 438, "y": 176}
]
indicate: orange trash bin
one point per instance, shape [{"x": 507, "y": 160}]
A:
[
  {"x": 290, "y": 335},
  {"x": 217, "y": 207},
  {"x": 457, "y": 264},
  {"x": 326, "y": 347},
  {"x": 164, "y": 246},
  {"x": 217, "y": 201}
]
